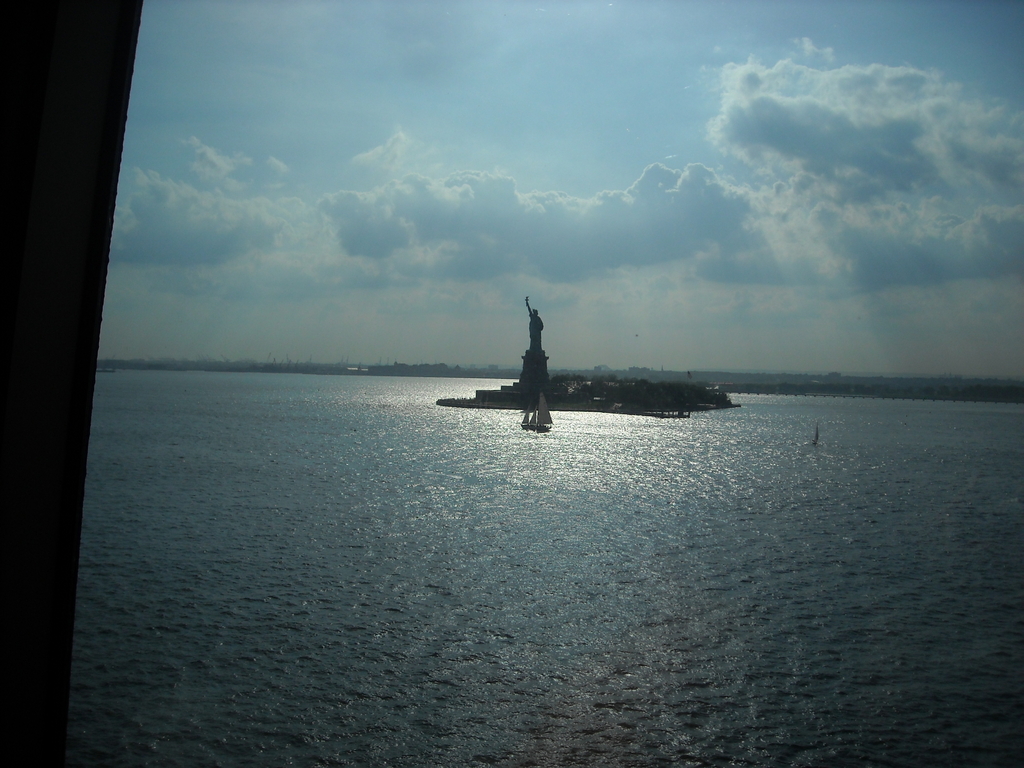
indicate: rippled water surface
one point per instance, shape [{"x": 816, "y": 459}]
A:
[{"x": 299, "y": 570}]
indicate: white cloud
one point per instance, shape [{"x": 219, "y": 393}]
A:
[
  {"x": 389, "y": 156},
  {"x": 865, "y": 178},
  {"x": 474, "y": 226},
  {"x": 400, "y": 155},
  {"x": 471, "y": 225},
  {"x": 860, "y": 132},
  {"x": 871, "y": 245},
  {"x": 168, "y": 222},
  {"x": 875, "y": 175},
  {"x": 810, "y": 50},
  {"x": 213, "y": 167}
]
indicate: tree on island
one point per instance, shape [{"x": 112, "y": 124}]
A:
[{"x": 638, "y": 393}]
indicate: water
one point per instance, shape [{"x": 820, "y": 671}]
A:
[{"x": 298, "y": 570}]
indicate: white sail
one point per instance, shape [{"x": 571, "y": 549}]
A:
[
  {"x": 543, "y": 414},
  {"x": 537, "y": 419}
]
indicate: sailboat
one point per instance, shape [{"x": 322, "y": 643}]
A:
[
  {"x": 537, "y": 419},
  {"x": 814, "y": 441}
]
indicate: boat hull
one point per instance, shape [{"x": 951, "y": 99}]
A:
[{"x": 537, "y": 427}]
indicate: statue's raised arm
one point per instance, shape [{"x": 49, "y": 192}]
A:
[{"x": 528, "y": 310}]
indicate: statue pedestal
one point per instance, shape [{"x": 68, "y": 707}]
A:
[{"x": 534, "y": 377}]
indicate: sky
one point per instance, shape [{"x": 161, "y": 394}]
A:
[{"x": 801, "y": 186}]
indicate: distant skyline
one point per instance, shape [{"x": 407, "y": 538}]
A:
[{"x": 781, "y": 186}]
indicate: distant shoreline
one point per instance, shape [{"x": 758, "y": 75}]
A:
[
  {"x": 971, "y": 393},
  {"x": 938, "y": 388}
]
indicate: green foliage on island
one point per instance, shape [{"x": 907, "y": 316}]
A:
[{"x": 636, "y": 394}]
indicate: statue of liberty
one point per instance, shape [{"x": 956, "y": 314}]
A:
[{"x": 536, "y": 326}]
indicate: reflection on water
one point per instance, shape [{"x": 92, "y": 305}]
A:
[{"x": 334, "y": 571}]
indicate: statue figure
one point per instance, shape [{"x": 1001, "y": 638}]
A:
[{"x": 536, "y": 326}]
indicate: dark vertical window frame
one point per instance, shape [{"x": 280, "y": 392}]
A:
[{"x": 68, "y": 76}]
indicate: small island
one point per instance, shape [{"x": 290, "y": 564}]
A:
[{"x": 607, "y": 394}]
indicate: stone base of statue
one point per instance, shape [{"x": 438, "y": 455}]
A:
[{"x": 534, "y": 377}]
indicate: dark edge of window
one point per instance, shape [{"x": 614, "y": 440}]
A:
[{"x": 68, "y": 79}]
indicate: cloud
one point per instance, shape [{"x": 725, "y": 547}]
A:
[
  {"x": 397, "y": 157},
  {"x": 388, "y": 156},
  {"x": 875, "y": 176},
  {"x": 838, "y": 203},
  {"x": 810, "y": 50},
  {"x": 168, "y": 222},
  {"x": 473, "y": 225},
  {"x": 277, "y": 165},
  {"x": 871, "y": 246},
  {"x": 994, "y": 238},
  {"x": 862, "y": 132},
  {"x": 213, "y": 167}
]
